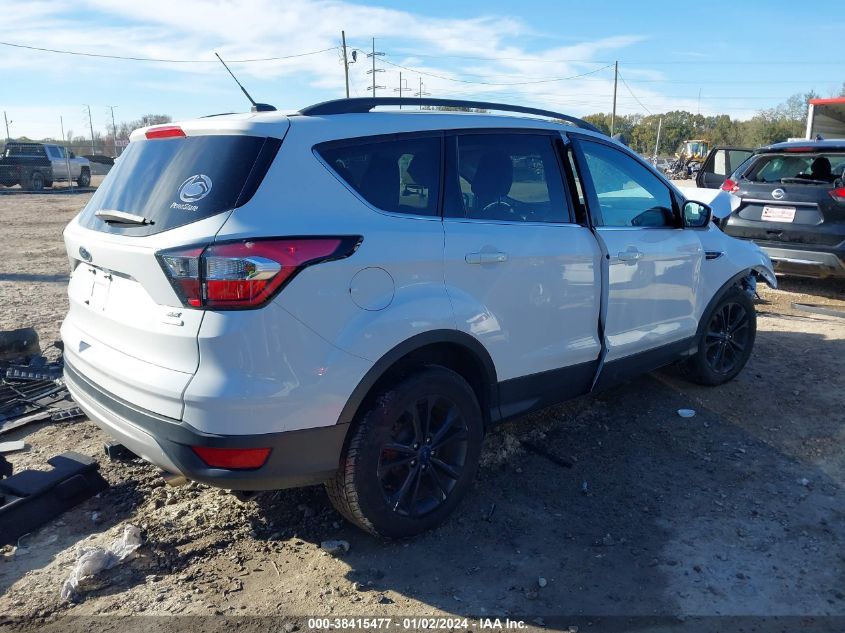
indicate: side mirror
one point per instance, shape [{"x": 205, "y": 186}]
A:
[
  {"x": 696, "y": 215},
  {"x": 72, "y": 155}
]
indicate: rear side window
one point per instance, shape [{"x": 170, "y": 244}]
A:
[
  {"x": 173, "y": 182},
  {"x": 508, "y": 177},
  {"x": 397, "y": 175}
]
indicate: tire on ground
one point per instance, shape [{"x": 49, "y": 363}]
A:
[
  {"x": 84, "y": 179},
  {"x": 727, "y": 340},
  {"x": 36, "y": 181},
  {"x": 357, "y": 492}
]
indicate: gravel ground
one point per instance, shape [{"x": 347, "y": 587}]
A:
[{"x": 737, "y": 511}]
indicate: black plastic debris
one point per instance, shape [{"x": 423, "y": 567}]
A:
[
  {"x": 31, "y": 386},
  {"x": 30, "y": 498},
  {"x": 15, "y": 344}
]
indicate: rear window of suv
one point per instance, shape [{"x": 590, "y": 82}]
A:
[
  {"x": 810, "y": 168},
  {"x": 400, "y": 175},
  {"x": 173, "y": 182}
]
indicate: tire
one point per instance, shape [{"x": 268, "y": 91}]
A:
[
  {"x": 397, "y": 478},
  {"x": 84, "y": 179},
  {"x": 36, "y": 181},
  {"x": 726, "y": 341}
]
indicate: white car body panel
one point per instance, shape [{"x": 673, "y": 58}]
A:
[
  {"x": 536, "y": 310},
  {"x": 652, "y": 300},
  {"x": 294, "y": 364}
]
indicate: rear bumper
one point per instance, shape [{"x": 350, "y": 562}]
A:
[
  {"x": 297, "y": 458},
  {"x": 806, "y": 263}
]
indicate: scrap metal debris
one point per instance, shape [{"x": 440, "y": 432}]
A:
[
  {"x": 31, "y": 386},
  {"x": 12, "y": 447}
]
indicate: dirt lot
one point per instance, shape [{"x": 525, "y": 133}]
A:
[{"x": 737, "y": 511}]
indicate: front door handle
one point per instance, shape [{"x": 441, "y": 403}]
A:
[
  {"x": 631, "y": 255},
  {"x": 486, "y": 258}
]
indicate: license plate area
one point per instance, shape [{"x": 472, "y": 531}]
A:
[
  {"x": 100, "y": 286},
  {"x": 778, "y": 214}
]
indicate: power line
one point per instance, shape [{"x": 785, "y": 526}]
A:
[
  {"x": 167, "y": 61},
  {"x": 625, "y": 83},
  {"x": 411, "y": 53},
  {"x": 495, "y": 83}
]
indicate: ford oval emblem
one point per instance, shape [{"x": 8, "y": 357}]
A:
[
  {"x": 84, "y": 254},
  {"x": 778, "y": 194}
]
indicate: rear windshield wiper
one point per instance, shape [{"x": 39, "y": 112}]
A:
[{"x": 121, "y": 217}]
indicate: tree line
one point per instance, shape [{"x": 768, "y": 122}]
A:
[{"x": 786, "y": 120}]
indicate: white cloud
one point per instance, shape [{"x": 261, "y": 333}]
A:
[{"x": 193, "y": 29}]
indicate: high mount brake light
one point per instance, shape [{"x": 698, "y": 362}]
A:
[
  {"x": 165, "y": 131},
  {"x": 838, "y": 194},
  {"x": 245, "y": 274},
  {"x": 730, "y": 186}
]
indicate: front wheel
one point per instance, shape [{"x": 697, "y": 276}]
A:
[
  {"x": 412, "y": 455},
  {"x": 726, "y": 342}
]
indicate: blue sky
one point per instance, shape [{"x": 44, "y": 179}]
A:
[{"x": 741, "y": 57}]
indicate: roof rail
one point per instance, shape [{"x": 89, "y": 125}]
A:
[{"x": 365, "y": 104}]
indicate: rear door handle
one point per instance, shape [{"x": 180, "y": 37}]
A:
[
  {"x": 631, "y": 255},
  {"x": 486, "y": 258}
]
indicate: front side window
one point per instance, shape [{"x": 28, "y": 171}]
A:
[
  {"x": 508, "y": 177},
  {"x": 628, "y": 193},
  {"x": 398, "y": 175}
]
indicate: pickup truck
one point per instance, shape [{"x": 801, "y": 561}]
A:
[{"x": 36, "y": 165}]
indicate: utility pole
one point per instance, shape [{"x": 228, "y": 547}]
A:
[
  {"x": 615, "y": 82},
  {"x": 401, "y": 87},
  {"x": 67, "y": 153},
  {"x": 657, "y": 143},
  {"x": 113, "y": 131},
  {"x": 345, "y": 62},
  {"x": 6, "y": 119},
  {"x": 375, "y": 70},
  {"x": 91, "y": 126},
  {"x": 421, "y": 93}
]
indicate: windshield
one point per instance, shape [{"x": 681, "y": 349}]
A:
[
  {"x": 177, "y": 181},
  {"x": 811, "y": 168}
]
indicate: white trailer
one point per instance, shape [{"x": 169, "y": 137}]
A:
[{"x": 826, "y": 117}]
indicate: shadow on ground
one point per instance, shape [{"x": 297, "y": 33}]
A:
[{"x": 660, "y": 515}]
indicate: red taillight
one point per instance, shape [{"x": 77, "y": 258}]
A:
[
  {"x": 730, "y": 186},
  {"x": 232, "y": 458},
  {"x": 245, "y": 274},
  {"x": 838, "y": 194},
  {"x": 165, "y": 131}
]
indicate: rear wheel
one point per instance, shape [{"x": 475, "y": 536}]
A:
[
  {"x": 36, "y": 181},
  {"x": 727, "y": 341},
  {"x": 412, "y": 455},
  {"x": 84, "y": 178}
]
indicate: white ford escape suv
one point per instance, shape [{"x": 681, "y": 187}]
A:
[{"x": 262, "y": 300}]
